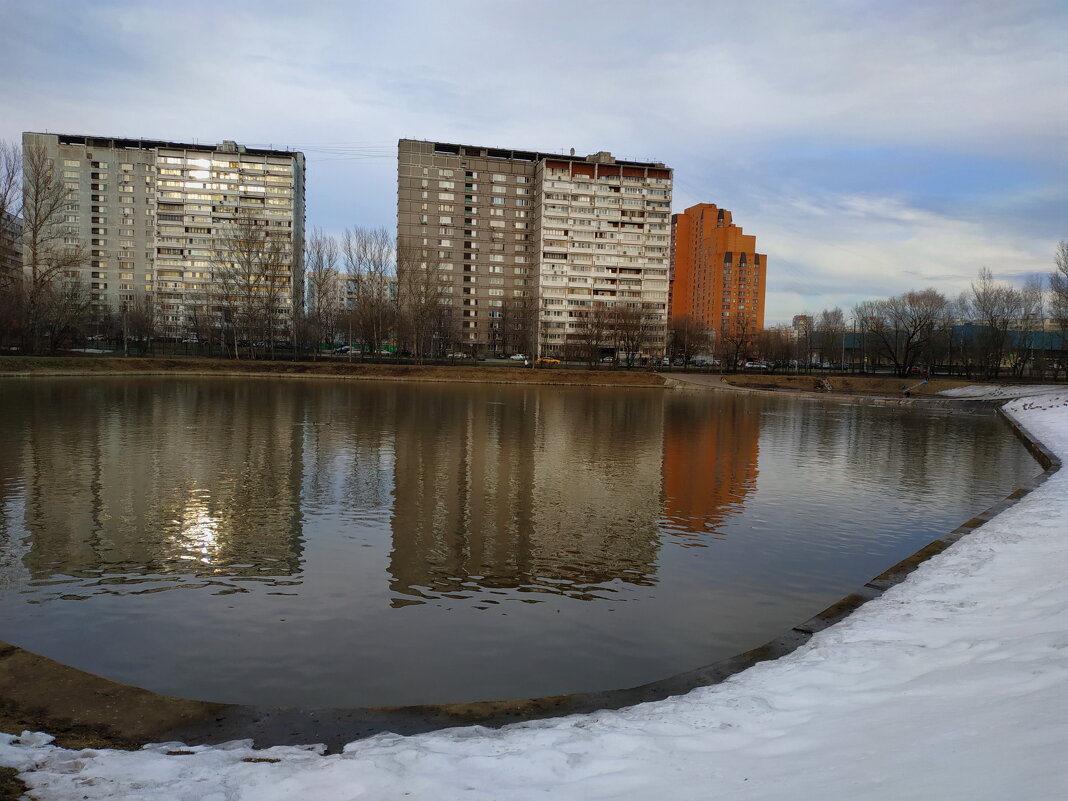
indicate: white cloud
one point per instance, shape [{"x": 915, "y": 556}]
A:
[{"x": 729, "y": 94}]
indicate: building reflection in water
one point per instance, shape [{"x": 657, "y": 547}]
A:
[
  {"x": 710, "y": 464},
  {"x": 218, "y": 502},
  {"x": 524, "y": 491}
]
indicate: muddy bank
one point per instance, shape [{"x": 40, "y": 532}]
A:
[{"x": 463, "y": 372}]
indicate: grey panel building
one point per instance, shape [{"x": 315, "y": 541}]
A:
[
  {"x": 10, "y": 244},
  {"x": 152, "y": 213},
  {"x": 524, "y": 235}
]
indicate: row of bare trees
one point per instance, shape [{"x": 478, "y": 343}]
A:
[
  {"x": 42, "y": 300},
  {"x": 992, "y": 329},
  {"x": 627, "y": 329}
]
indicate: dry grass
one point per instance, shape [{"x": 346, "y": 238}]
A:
[{"x": 73, "y": 365}]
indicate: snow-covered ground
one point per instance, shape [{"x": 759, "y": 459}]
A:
[
  {"x": 1007, "y": 392},
  {"x": 952, "y": 685}
]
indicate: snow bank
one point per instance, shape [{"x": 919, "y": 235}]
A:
[
  {"x": 952, "y": 685},
  {"x": 993, "y": 392}
]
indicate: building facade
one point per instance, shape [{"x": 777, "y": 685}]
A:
[
  {"x": 530, "y": 247},
  {"x": 717, "y": 277},
  {"x": 160, "y": 221},
  {"x": 10, "y": 245}
]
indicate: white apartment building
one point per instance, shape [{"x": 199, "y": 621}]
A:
[
  {"x": 604, "y": 234},
  {"x": 153, "y": 216},
  {"x": 570, "y": 233}
]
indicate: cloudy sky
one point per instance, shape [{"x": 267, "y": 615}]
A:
[{"x": 871, "y": 146}]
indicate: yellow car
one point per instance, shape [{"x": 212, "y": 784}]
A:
[{"x": 547, "y": 361}]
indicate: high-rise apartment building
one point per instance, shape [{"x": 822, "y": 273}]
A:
[
  {"x": 717, "y": 277},
  {"x": 159, "y": 220},
  {"x": 533, "y": 245}
]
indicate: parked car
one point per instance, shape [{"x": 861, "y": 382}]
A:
[
  {"x": 518, "y": 357},
  {"x": 342, "y": 349},
  {"x": 457, "y": 356},
  {"x": 547, "y": 361},
  {"x": 756, "y": 365},
  {"x": 191, "y": 341}
]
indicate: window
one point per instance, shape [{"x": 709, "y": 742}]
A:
[
  {"x": 499, "y": 177},
  {"x": 497, "y": 201}
]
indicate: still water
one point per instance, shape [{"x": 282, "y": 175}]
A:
[{"x": 322, "y": 543}]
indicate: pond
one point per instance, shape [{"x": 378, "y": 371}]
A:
[{"x": 338, "y": 543}]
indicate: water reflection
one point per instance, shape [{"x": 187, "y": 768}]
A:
[
  {"x": 533, "y": 493},
  {"x": 146, "y": 489},
  {"x": 318, "y": 543},
  {"x": 710, "y": 465}
]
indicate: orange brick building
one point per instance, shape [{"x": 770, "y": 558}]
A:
[{"x": 717, "y": 277}]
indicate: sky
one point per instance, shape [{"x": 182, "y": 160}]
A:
[{"x": 872, "y": 147}]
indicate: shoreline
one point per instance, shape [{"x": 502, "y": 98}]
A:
[{"x": 83, "y": 710}]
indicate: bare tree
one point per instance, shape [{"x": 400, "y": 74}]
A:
[
  {"x": 993, "y": 307},
  {"x": 688, "y": 338},
  {"x": 422, "y": 301},
  {"x": 777, "y": 344},
  {"x": 592, "y": 329},
  {"x": 829, "y": 330},
  {"x": 10, "y": 210},
  {"x": 904, "y": 328},
  {"x": 1058, "y": 297},
  {"x": 1029, "y": 326},
  {"x": 370, "y": 255},
  {"x": 48, "y": 259},
  {"x": 516, "y": 329},
  {"x": 737, "y": 336},
  {"x": 251, "y": 273},
  {"x": 634, "y": 327},
  {"x": 66, "y": 313},
  {"x": 324, "y": 287}
]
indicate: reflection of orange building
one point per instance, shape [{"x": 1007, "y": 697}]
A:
[
  {"x": 710, "y": 463},
  {"x": 718, "y": 278}
]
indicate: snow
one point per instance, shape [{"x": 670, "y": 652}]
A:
[
  {"x": 951, "y": 685},
  {"x": 991, "y": 392}
]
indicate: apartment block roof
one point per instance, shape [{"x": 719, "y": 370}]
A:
[
  {"x": 531, "y": 155},
  {"x": 150, "y": 144}
]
